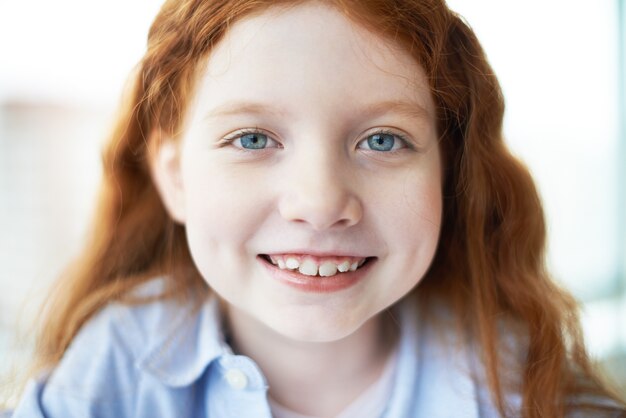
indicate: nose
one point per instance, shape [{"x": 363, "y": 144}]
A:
[{"x": 318, "y": 192}]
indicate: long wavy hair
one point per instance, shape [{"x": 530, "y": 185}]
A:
[{"x": 490, "y": 261}]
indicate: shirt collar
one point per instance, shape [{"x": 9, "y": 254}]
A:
[
  {"x": 406, "y": 366},
  {"x": 179, "y": 357},
  {"x": 432, "y": 374},
  {"x": 434, "y": 371}
]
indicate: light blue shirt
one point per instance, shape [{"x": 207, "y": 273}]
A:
[{"x": 164, "y": 360}]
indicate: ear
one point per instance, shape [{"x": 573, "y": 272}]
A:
[{"x": 166, "y": 174}]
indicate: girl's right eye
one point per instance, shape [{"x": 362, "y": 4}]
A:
[{"x": 252, "y": 140}]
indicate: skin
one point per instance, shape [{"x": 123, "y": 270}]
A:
[{"x": 316, "y": 188}]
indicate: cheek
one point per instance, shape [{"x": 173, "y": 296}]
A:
[
  {"x": 224, "y": 209},
  {"x": 423, "y": 205},
  {"x": 219, "y": 204},
  {"x": 411, "y": 205},
  {"x": 412, "y": 224},
  {"x": 423, "y": 199},
  {"x": 417, "y": 221}
]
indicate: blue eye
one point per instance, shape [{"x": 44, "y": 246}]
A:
[
  {"x": 253, "y": 140},
  {"x": 383, "y": 142}
]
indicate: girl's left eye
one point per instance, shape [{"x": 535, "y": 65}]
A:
[
  {"x": 383, "y": 142},
  {"x": 253, "y": 141}
]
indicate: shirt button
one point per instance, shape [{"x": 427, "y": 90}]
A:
[{"x": 236, "y": 379}]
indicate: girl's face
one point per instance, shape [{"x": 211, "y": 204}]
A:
[{"x": 311, "y": 143}]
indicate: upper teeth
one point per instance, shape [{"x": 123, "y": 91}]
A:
[{"x": 310, "y": 267}]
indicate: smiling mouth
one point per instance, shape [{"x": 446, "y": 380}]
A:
[{"x": 323, "y": 267}]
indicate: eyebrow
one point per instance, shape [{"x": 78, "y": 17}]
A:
[
  {"x": 243, "y": 108},
  {"x": 409, "y": 109},
  {"x": 234, "y": 108}
]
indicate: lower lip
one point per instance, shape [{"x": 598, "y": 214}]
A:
[{"x": 317, "y": 284}]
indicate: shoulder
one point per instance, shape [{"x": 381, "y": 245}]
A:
[
  {"x": 115, "y": 338},
  {"x": 454, "y": 359},
  {"x": 98, "y": 371},
  {"x": 452, "y": 373}
]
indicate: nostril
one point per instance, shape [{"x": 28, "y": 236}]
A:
[{"x": 323, "y": 210}]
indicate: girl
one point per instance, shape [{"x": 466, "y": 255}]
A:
[{"x": 308, "y": 211}]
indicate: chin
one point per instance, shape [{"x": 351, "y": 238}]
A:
[
  {"x": 315, "y": 335},
  {"x": 312, "y": 328}
]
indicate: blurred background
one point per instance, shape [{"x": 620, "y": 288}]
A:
[{"x": 561, "y": 64}]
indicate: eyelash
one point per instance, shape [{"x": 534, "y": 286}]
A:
[
  {"x": 406, "y": 141},
  {"x": 239, "y": 134},
  {"x": 229, "y": 139}
]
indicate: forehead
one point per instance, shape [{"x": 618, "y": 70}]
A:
[{"x": 301, "y": 57}]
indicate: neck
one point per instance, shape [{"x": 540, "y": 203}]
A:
[{"x": 315, "y": 378}]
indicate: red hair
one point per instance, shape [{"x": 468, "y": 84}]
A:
[{"x": 490, "y": 261}]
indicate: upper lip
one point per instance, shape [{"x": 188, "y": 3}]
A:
[{"x": 318, "y": 253}]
